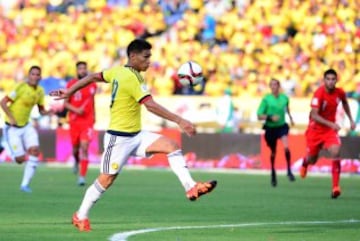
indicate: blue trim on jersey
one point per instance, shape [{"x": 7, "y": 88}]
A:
[
  {"x": 17, "y": 126},
  {"x": 120, "y": 133}
]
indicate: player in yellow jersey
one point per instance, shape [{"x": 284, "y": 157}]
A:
[
  {"x": 125, "y": 136},
  {"x": 20, "y": 135}
]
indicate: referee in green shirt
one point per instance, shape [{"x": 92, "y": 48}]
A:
[{"x": 272, "y": 110}]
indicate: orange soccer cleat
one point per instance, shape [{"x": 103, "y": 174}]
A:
[
  {"x": 199, "y": 189},
  {"x": 303, "y": 171},
  {"x": 336, "y": 191},
  {"x": 82, "y": 225}
]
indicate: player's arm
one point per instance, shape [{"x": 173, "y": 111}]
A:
[
  {"x": 159, "y": 110},
  {"x": 66, "y": 93},
  {"x": 347, "y": 110},
  {"x": 72, "y": 108},
  {"x": 4, "y": 105},
  {"x": 43, "y": 111},
  {"x": 314, "y": 113}
]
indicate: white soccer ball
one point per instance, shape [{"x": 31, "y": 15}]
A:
[{"x": 190, "y": 74}]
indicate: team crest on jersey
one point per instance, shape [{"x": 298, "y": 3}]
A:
[
  {"x": 315, "y": 101},
  {"x": 144, "y": 88},
  {"x": 115, "y": 166}
]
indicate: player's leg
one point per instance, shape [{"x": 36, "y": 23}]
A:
[
  {"x": 314, "y": 143},
  {"x": 31, "y": 142},
  {"x": 117, "y": 150},
  {"x": 152, "y": 143},
  {"x": 75, "y": 152},
  {"x": 18, "y": 153},
  {"x": 85, "y": 137},
  {"x": 84, "y": 161},
  {"x": 75, "y": 141},
  {"x": 271, "y": 141},
  {"x": 333, "y": 146},
  {"x": 285, "y": 142}
]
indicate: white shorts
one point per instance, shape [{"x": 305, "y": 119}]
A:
[
  {"x": 19, "y": 139},
  {"x": 117, "y": 150}
]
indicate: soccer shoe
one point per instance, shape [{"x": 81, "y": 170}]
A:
[
  {"x": 291, "y": 177},
  {"x": 26, "y": 189},
  {"x": 303, "y": 171},
  {"x": 336, "y": 191},
  {"x": 200, "y": 189},
  {"x": 81, "y": 181},
  {"x": 273, "y": 179},
  {"x": 82, "y": 225}
]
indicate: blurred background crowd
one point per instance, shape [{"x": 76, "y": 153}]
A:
[{"x": 240, "y": 44}]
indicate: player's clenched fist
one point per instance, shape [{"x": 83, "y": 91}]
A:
[{"x": 59, "y": 94}]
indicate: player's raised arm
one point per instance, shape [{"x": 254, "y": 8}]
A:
[{"x": 64, "y": 94}]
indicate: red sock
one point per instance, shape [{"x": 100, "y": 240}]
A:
[
  {"x": 336, "y": 173},
  {"x": 83, "y": 167}
]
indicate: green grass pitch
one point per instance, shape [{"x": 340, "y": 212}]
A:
[{"x": 246, "y": 205}]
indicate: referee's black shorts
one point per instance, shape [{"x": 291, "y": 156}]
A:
[{"x": 272, "y": 134}]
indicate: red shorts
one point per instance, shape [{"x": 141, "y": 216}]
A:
[
  {"x": 318, "y": 139},
  {"x": 80, "y": 133}
]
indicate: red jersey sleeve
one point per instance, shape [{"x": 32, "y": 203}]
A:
[{"x": 317, "y": 99}]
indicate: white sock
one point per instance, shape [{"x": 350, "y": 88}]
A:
[
  {"x": 178, "y": 165},
  {"x": 93, "y": 193},
  {"x": 29, "y": 170}
]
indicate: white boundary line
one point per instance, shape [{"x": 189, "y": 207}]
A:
[{"x": 124, "y": 235}]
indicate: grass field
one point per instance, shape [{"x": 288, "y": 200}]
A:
[{"x": 242, "y": 207}]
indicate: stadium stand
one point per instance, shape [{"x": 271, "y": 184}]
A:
[{"x": 239, "y": 43}]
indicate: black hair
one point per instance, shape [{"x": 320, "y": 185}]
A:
[
  {"x": 276, "y": 80},
  {"x": 80, "y": 63},
  {"x": 34, "y": 67},
  {"x": 137, "y": 46},
  {"x": 330, "y": 71}
]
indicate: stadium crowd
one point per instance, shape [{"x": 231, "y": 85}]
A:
[{"x": 239, "y": 43}]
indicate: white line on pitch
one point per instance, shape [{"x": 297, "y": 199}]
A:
[{"x": 124, "y": 235}]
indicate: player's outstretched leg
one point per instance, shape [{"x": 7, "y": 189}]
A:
[{"x": 193, "y": 189}]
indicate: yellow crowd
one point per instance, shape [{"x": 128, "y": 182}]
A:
[{"x": 253, "y": 42}]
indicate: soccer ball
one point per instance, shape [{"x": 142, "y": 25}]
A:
[{"x": 190, "y": 74}]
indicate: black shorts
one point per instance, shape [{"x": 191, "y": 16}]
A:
[{"x": 272, "y": 134}]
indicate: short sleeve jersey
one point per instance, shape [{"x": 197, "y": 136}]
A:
[
  {"x": 24, "y": 97},
  {"x": 128, "y": 89},
  {"x": 82, "y": 98},
  {"x": 272, "y": 105},
  {"x": 327, "y": 104}
]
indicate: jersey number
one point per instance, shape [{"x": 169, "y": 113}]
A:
[{"x": 114, "y": 88}]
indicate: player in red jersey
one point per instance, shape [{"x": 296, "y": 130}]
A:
[
  {"x": 81, "y": 108},
  {"x": 322, "y": 131}
]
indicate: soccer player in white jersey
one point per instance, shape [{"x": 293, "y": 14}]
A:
[
  {"x": 21, "y": 137},
  {"x": 125, "y": 137}
]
